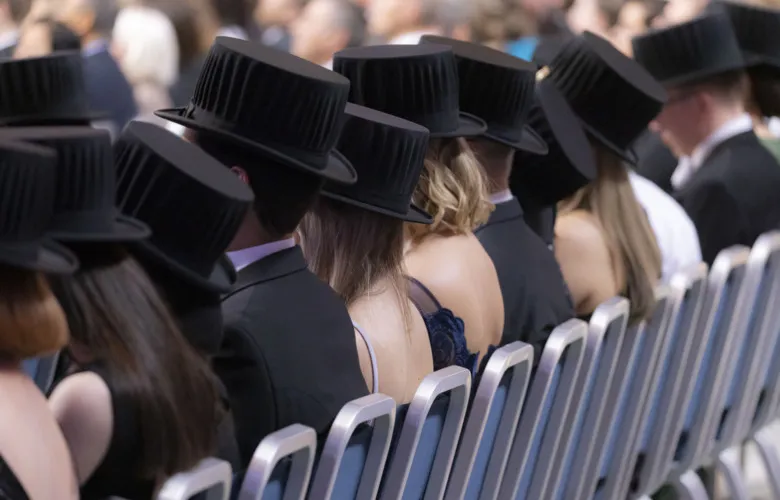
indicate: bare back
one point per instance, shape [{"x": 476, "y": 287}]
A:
[
  {"x": 31, "y": 443},
  {"x": 458, "y": 271}
]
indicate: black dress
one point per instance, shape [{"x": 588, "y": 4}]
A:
[{"x": 10, "y": 488}]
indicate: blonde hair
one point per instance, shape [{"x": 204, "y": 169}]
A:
[
  {"x": 32, "y": 323},
  {"x": 453, "y": 189},
  {"x": 633, "y": 248}
]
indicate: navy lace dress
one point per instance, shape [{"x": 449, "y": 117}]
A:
[
  {"x": 446, "y": 332},
  {"x": 10, "y": 489}
]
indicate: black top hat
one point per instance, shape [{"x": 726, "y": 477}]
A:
[
  {"x": 498, "y": 88},
  {"x": 85, "y": 189},
  {"x": 757, "y": 30},
  {"x": 543, "y": 181},
  {"x": 614, "y": 97},
  {"x": 416, "y": 82},
  {"x": 48, "y": 90},
  {"x": 388, "y": 153},
  {"x": 193, "y": 204},
  {"x": 703, "y": 47},
  {"x": 272, "y": 102},
  {"x": 26, "y": 188}
]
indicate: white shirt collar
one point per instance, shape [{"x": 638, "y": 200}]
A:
[
  {"x": 248, "y": 256},
  {"x": 8, "y": 39},
  {"x": 94, "y": 47},
  {"x": 501, "y": 197},
  {"x": 410, "y": 38},
  {"x": 688, "y": 165},
  {"x": 328, "y": 64}
]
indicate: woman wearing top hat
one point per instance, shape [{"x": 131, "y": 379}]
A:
[
  {"x": 31, "y": 324},
  {"x": 354, "y": 240},
  {"x": 603, "y": 239},
  {"x": 136, "y": 404},
  {"x": 451, "y": 271}
]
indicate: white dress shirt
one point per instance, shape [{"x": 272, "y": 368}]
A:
[
  {"x": 501, "y": 197},
  {"x": 674, "y": 230},
  {"x": 688, "y": 165},
  {"x": 248, "y": 256},
  {"x": 411, "y": 38},
  {"x": 8, "y": 39}
]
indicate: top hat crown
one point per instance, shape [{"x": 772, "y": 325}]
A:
[
  {"x": 703, "y": 47},
  {"x": 85, "y": 189},
  {"x": 26, "y": 189},
  {"x": 757, "y": 30},
  {"x": 613, "y": 96},
  {"x": 192, "y": 203},
  {"x": 543, "y": 181},
  {"x": 418, "y": 83},
  {"x": 48, "y": 90},
  {"x": 272, "y": 102},
  {"x": 388, "y": 154},
  {"x": 498, "y": 88}
]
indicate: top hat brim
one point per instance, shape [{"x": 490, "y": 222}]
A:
[
  {"x": 337, "y": 169},
  {"x": 55, "y": 120},
  {"x": 529, "y": 141},
  {"x": 627, "y": 154},
  {"x": 414, "y": 214},
  {"x": 123, "y": 230},
  {"x": 468, "y": 126},
  {"x": 45, "y": 256}
]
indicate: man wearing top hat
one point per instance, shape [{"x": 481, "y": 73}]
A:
[
  {"x": 499, "y": 88},
  {"x": 727, "y": 181},
  {"x": 289, "y": 353}
]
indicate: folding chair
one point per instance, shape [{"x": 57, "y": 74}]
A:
[
  {"x": 492, "y": 421},
  {"x": 548, "y": 403},
  {"x": 211, "y": 476},
  {"x": 354, "y": 455},
  {"x": 421, "y": 462},
  {"x": 281, "y": 465},
  {"x": 42, "y": 370}
]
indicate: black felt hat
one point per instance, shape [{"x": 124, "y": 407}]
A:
[
  {"x": 757, "y": 30},
  {"x": 543, "y": 181},
  {"x": 193, "y": 204},
  {"x": 271, "y": 102},
  {"x": 85, "y": 188},
  {"x": 26, "y": 193},
  {"x": 498, "y": 88},
  {"x": 613, "y": 96},
  {"x": 703, "y": 47},
  {"x": 416, "y": 82},
  {"x": 388, "y": 154},
  {"x": 43, "y": 91}
]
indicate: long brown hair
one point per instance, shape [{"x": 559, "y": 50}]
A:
[
  {"x": 352, "y": 249},
  {"x": 630, "y": 239},
  {"x": 116, "y": 315},
  {"x": 31, "y": 320},
  {"x": 453, "y": 189}
]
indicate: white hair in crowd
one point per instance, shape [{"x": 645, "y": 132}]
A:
[{"x": 148, "y": 50}]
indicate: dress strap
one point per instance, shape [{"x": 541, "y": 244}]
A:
[
  {"x": 422, "y": 297},
  {"x": 372, "y": 357}
]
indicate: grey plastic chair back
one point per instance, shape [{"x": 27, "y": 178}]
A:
[
  {"x": 377, "y": 410},
  {"x": 542, "y": 418},
  {"x": 296, "y": 443},
  {"x": 42, "y": 370},
  {"x": 583, "y": 427},
  {"x": 432, "y": 478},
  {"x": 212, "y": 476},
  {"x": 492, "y": 421}
]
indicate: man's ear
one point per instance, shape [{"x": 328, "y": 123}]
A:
[{"x": 241, "y": 173}]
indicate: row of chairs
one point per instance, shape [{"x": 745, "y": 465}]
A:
[{"x": 609, "y": 411}]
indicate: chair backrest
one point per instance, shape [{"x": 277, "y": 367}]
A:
[
  {"x": 617, "y": 464},
  {"x": 296, "y": 443},
  {"x": 212, "y": 476},
  {"x": 492, "y": 421},
  {"x": 719, "y": 356},
  {"x": 354, "y": 454},
  {"x": 42, "y": 370},
  {"x": 582, "y": 427},
  {"x": 422, "y": 460},
  {"x": 688, "y": 289},
  {"x": 547, "y": 405}
]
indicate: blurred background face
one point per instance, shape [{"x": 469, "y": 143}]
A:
[
  {"x": 540, "y": 7},
  {"x": 276, "y": 12},
  {"x": 679, "y": 123},
  {"x": 316, "y": 36},
  {"x": 76, "y": 15},
  {"x": 35, "y": 40},
  {"x": 679, "y": 11},
  {"x": 390, "y": 17},
  {"x": 586, "y": 15}
]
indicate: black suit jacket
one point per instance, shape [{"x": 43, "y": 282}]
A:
[
  {"x": 655, "y": 161},
  {"x": 108, "y": 90},
  {"x": 735, "y": 196},
  {"x": 289, "y": 353},
  {"x": 536, "y": 298}
]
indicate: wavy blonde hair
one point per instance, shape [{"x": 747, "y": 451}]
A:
[
  {"x": 453, "y": 189},
  {"x": 633, "y": 249}
]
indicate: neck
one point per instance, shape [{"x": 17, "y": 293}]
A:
[
  {"x": 90, "y": 37},
  {"x": 760, "y": 127},
  {"x": 7, "y": 27},
  {"x": 720, "y": 117},
  {"x": 252, "y": 234}
]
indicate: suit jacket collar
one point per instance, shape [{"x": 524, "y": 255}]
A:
[
  {"x": 504, "y": 212},
  {"x": 743, "y": 139},
  {"x": 272, "y": 267}
]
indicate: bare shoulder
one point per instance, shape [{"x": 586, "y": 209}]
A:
[
  {"x": 80, "y": 392},
  {"x": 442, "y": 263},
  {"x": 578, "y": 227}
]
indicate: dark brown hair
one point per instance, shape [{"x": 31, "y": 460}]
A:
[
  {"x": 116, "y": 315},
  {"x": 31, "y": 321},
  {"x": 765, "y": 91}
]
